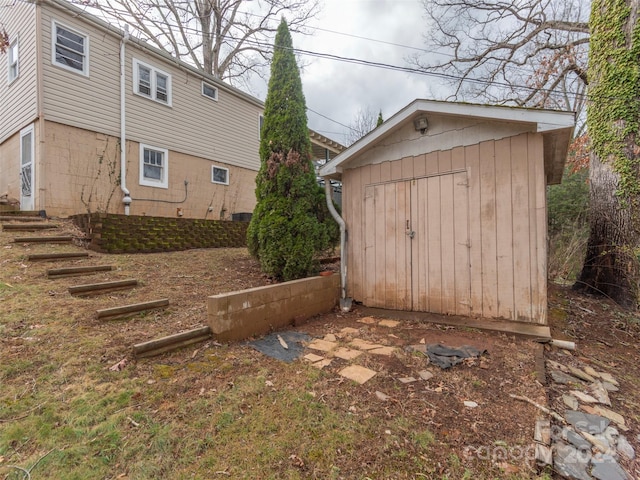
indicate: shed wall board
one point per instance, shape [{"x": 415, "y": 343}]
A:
[
  {"x": 499, "y": 273},
  {"x": 444, "y": 133},
  {"x": 18, "y": 100}
]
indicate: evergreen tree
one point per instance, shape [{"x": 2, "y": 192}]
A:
[
  {"x": 380, "y": 120},
  {"x": 289, "y": 226}
]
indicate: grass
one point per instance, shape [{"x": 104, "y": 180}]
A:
[{"x": 200, "y": 413}]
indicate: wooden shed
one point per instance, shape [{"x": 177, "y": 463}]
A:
[{"x": 445, "y": 209}]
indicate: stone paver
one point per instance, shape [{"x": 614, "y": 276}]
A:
[
  {"x": 347, "y": 353},
  {"x": 382, "y": 351},
  {"x": 367, "y": 320},
  {"x": 322, "y": 363},
  {"x": 357, "y": 373},
  {"x": 312, "y": 357},
  {"x": 389, "y": 323},
  {"x": 407, "y": 379},
  {"x": 363, "y": 344},
  {"x": 349, "y": 331},
  {"x": 425, "y": 375},
  {"x": 322, "y": 345}
]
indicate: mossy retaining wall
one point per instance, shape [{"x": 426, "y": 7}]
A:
[{"x": 110, "y": 233}]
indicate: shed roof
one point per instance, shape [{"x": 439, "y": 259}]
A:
[{"x": 556, "y": 127}]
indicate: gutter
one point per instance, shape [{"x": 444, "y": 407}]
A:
[
  {"x": 345, "y": 302},
  {"x": 126, "y": 200}
]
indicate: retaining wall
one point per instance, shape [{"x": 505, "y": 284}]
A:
[
  {"x": 112, "y": 233},
  {"x": 256, "y": 311}
]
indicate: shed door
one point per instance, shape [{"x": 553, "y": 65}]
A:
[{"x": 417, "y": 245}]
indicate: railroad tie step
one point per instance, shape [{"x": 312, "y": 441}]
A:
[
  {"x": 77, "y": 271},
  {"x": 103, "y": 287},
  {"x": 171, "y": 342},
  {"x": 32, "y": 227},
  {"x": 51, "y": 239},
  {"x": 130, "y": 310},
  {"x": 38, "y": 257},
  {"x": 19, "y": 218}
]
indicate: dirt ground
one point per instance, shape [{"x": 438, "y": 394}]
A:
[{"x": 422, "y": 430}]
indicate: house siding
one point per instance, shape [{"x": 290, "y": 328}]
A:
[
  {"x": 18, "y": 100},
  {"x": 87, "y": 174},
  {"x": 505, "y": 266},
  {"x": 90, "y": 102}
]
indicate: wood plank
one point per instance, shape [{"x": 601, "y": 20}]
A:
[
  {"x": 103, "y": 287},
  {"x": 19, "y": 218},
  {"x": 504, "y": 229},
  {"x": 369, "y": 241},
  {"x": 396, "y": 170},
  {"x": 539, "y": 301},
  {"x": 171, "y": 342},
  {"x": 434, "y": 245},
  {"x": 27, "y": 227},
  {"x": 420, "y": 247},
  {"x": 461, "y": 243},
  {"x": 457, "y": 159},
  {"x": 488, "y": 229},
  {"x": 444, "y": 161},
  {"x": 448, "y": 240},
  {"x": 385, "y": 171},
  {"x": 403, "y": 245},
  {"x": 538, "y": 332},
  {"x": 521, "y": 228},
  {"x": 407, "y": 168},
  {"x": 431, "y": 163},
  {"x": 35, "y": 257},
  {"x": 76, "y": 271},
  {"x": 129, "y": 310},
  {"x": 472, "y": 162},
  {"x": 419, "y": 166},
  {"x": 380, "y": 239},
  {"x": 389, "y": 262},
  {"x": 374, "y": 172},
  {"x": 52, "y": 239}
]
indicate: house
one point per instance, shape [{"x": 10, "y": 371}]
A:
[
  {"x": 96, "y": 121},
  {"x": 445, "y": 209}
]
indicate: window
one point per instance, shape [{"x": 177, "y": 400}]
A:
[
  {"x": 152, "y": 83},
  {"x": 220, "y": 175},
  {"x": 70, "y": 49},
  {"x": 209, "y": 91},
  {"x": 154, "y": 168},
  {"x": 13, "y": 61},
  {"x": 260, "y": 125}
]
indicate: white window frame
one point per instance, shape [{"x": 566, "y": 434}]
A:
[
  {"x": 85, "y": 61},
  {"x": 213, "y": 168},
  {"x": 13, "y": 56},
  {"x": 153, "y": 87},
  {"x": 150, "y": 182},
  {"x": 215, "y": 89}
]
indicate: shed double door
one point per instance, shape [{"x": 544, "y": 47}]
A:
[{"x": 417, "y": 245}]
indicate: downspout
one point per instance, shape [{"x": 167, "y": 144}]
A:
[
  {"x": 42, "y": 140},
  {"x": 345, "y": 303},
  {"x": 126, "y": 200}
]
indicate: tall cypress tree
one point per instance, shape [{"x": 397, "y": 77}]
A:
[{"x": 285, "y": 232}]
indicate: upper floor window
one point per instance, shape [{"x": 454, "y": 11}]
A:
[
  {"x": 152, "y": 83},
  {"x": 70, "y": 49},
  {"x": 209, "y": 91},
  {"x": 260, "y": 125},
  {"x": 154, "y": 168},
  {"x": 13, "y": 61}
]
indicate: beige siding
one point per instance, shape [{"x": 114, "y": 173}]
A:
[
  {"x": 483, "y": 230},
  {"x": 18, "y": 100},
  {"x": 87, "y": 169},
  {"x": 223, "y": 131},
  {"x": 10, "y": 166},
  {"x": 90, "y": 102}
]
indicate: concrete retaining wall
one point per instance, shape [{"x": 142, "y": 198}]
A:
[{"x": 242, "y": 314}]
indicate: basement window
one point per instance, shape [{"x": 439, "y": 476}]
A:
[
  {"x": 154, "y": 168},
  {"x": 220, "y": 175}
]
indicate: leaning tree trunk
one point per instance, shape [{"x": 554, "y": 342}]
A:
[{"x": 611, "y": 265}]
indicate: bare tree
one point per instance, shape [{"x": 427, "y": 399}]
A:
[
  {"x": 524, "y": 52},
  {"x": 364, "y": 122},
  {"x": 226, "y": 38}
]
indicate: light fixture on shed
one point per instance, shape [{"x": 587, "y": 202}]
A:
[{"x": 420, "y": 123}]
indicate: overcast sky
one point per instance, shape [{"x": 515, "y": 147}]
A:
[{"x": 338, "y": 90}]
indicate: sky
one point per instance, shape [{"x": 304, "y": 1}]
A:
[{"x": 338, "y": 90}]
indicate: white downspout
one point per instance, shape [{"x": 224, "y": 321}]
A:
[
  {"x": 123, "y": 131},
  {"x": 345, "y": 303}
]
